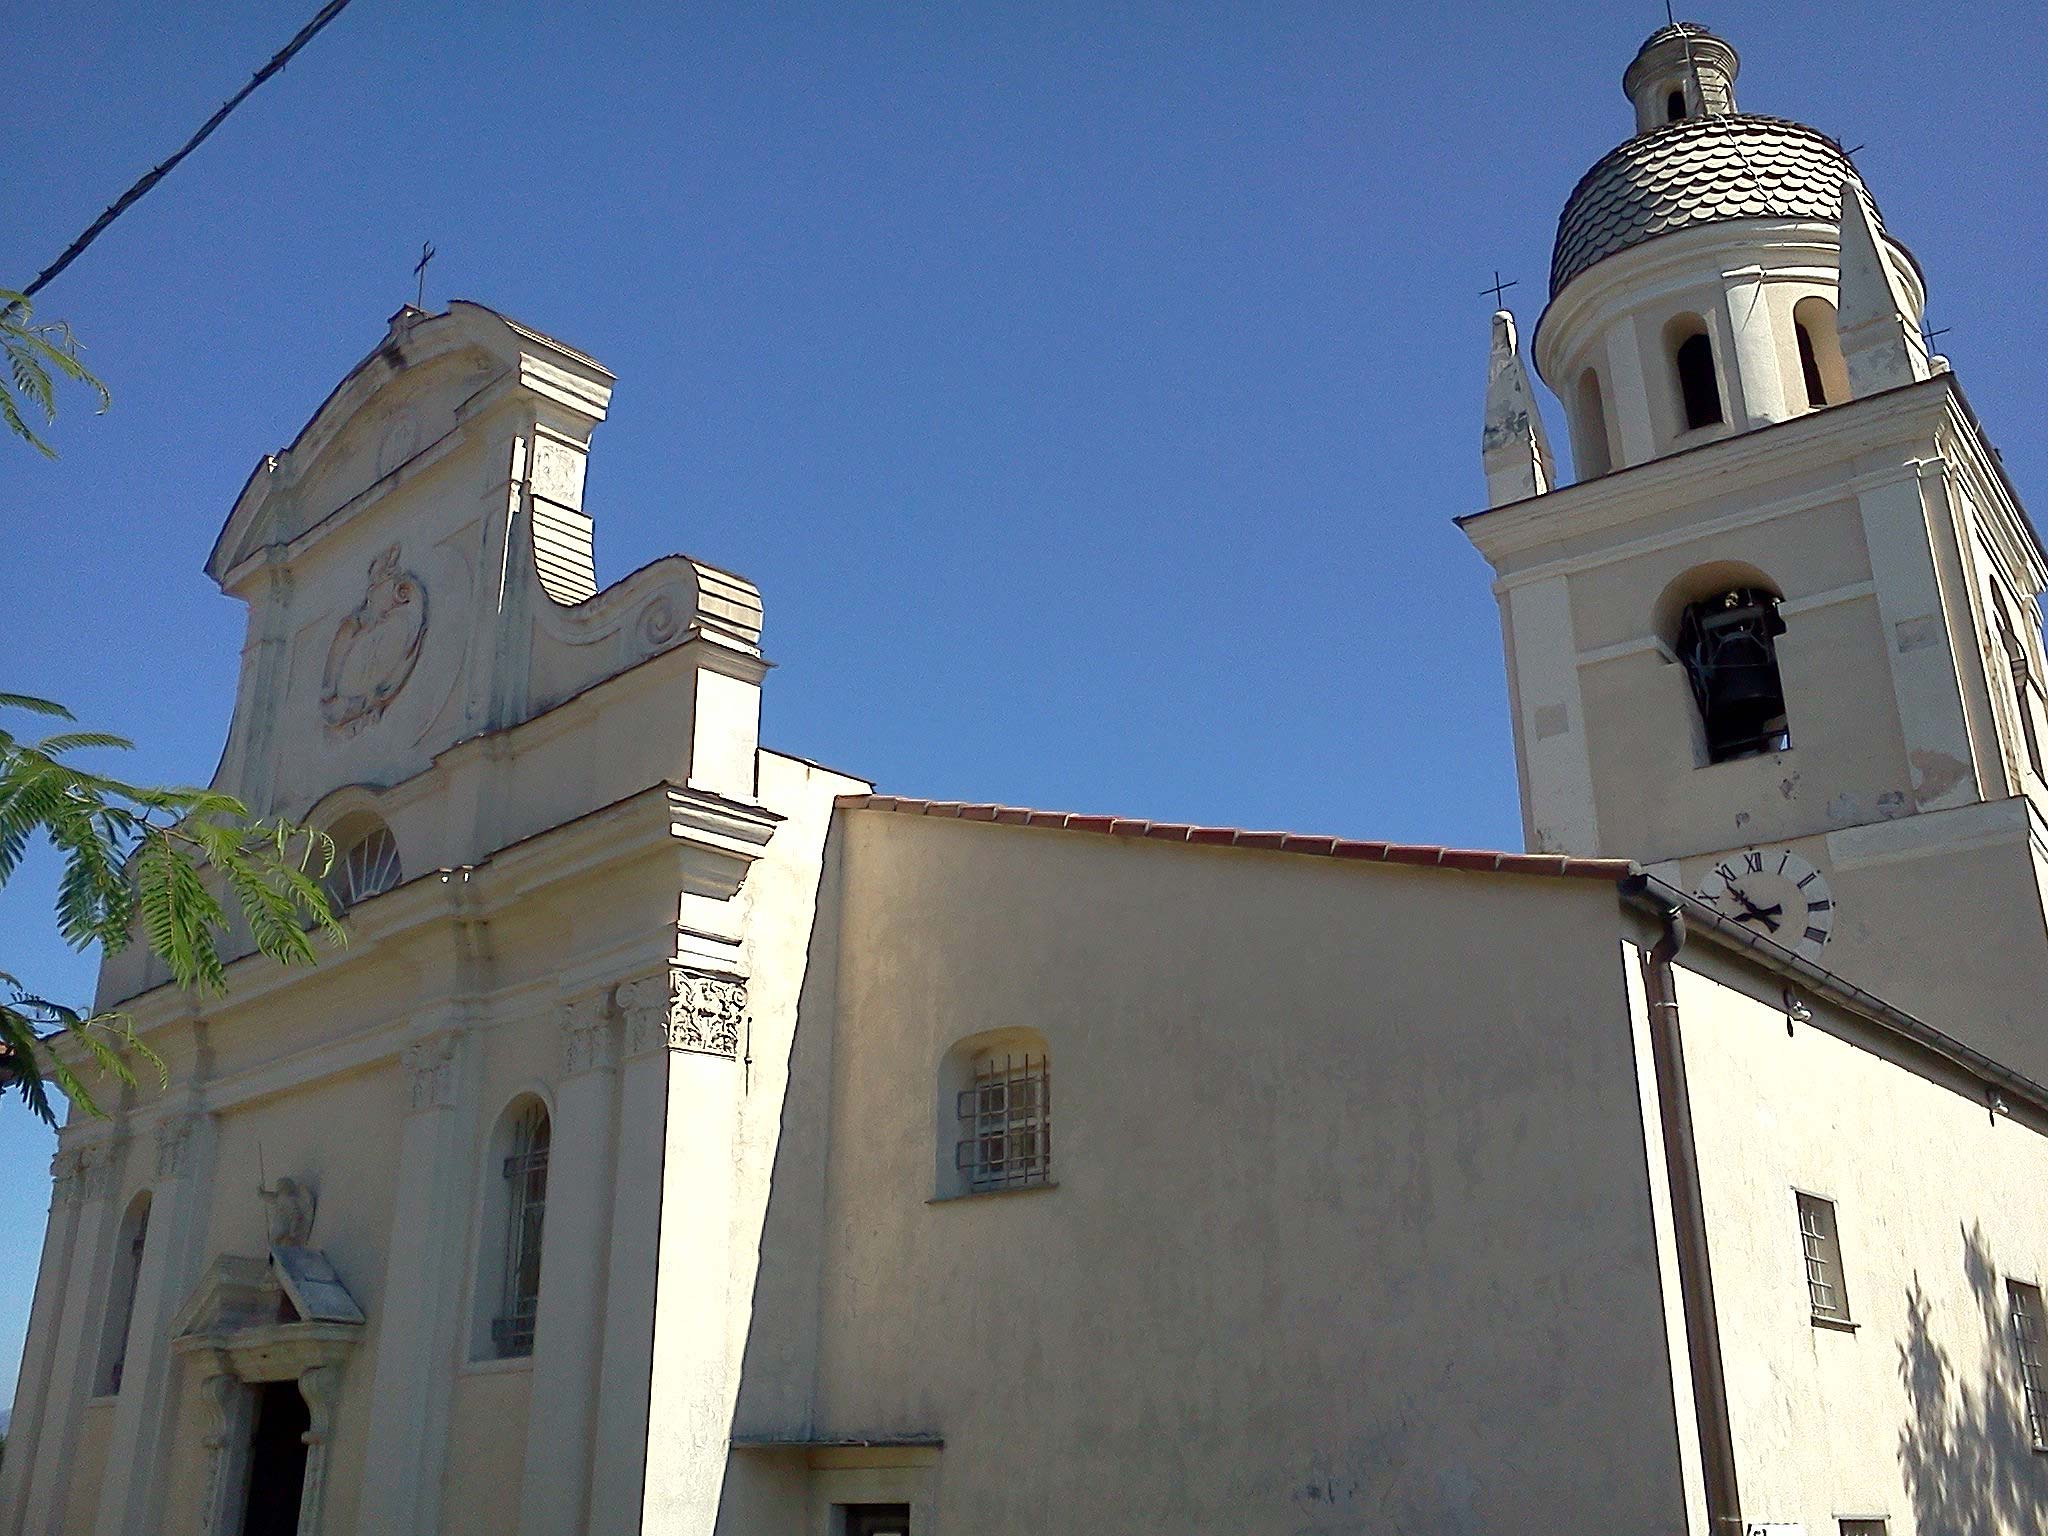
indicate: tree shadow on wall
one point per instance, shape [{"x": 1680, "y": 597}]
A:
[{"x": 1965, "y": 1451}]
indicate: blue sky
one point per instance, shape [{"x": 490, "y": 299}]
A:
[{"x": 1089, "y": 388}]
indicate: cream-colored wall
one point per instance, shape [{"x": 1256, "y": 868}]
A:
[
  {"x": 1915, "y": 1416},
  {"x": 1352, "y": 1223},
  {"x": 81, "y": 1506},
  {"x": 486, "y": 1449}
]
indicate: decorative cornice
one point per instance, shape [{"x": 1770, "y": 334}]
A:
[
  {"x": 685, "y": 1009},
  {"x": 430, "y": 1072},
  {"x": 1719, "y": 471},
  {"x": 589, "y": 1041}
]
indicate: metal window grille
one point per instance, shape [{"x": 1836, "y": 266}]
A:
[
  {"x": 526, "y": 1181},
  {"x": 1826, "y": 1291},
  {"x": 2027, "y": 1343},
  {"x": 133, "y": 1277},
  {"x": 369, "y": 868},
  {"x": 1006, "y": 1123}
]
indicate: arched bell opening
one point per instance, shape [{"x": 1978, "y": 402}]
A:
[
  {"x": 1592, "y": 447},
  {"x": 1722, "y": 623},
  {"x": 1823, "y": 374},
  {"x": 1697, "y": 379}
]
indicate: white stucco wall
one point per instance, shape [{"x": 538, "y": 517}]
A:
[{"x": 1915, "y": 1415}]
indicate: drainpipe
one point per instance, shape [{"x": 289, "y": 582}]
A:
[{"x": 1688, "y": 1212}]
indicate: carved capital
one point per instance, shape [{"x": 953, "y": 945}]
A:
[
  {"x": 174, "y": 1145},
  {"x": 589, "y": 1042},
  {"x": 83, "y": 1174},
  {"x": 64, "y": 1177},
  {"x": 430, "y": 1073},
  {"x": 685, "y": 1010}
]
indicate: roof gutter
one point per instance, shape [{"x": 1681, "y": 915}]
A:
[
  {"x": 1689, "y": 1217},
  {"x": 1649, "y": 894}
]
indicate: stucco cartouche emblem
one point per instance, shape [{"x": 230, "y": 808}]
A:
[
  {"x": 375, "y": 648},
  {"x": 685, "y": 1010}
]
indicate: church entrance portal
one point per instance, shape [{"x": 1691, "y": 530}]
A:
[{"x": 277, "y": 1460}]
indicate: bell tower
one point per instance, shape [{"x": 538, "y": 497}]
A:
[{"x": 1778, "y": 637}]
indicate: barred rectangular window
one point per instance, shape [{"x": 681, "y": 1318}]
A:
[
  {"x": 2027, "y": 1344},
  {"x": 1006, "y": 1123},
  {"x": 1827, "y": 1293}
]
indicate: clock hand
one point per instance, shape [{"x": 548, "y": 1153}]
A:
[{"x": 1767, "y": 915}]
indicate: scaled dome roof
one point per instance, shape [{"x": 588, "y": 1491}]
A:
[{"x": 1700, "y": 170}]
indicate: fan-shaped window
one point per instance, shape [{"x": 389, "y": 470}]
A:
[
  {"x": 521, "y": 1211},
  {"x": 363, "y": 867},
  {"x": 121, "y": 1290},
  {"x": 1699, "y": 389}
]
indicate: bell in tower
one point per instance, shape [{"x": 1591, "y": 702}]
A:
[
  {"x": 1786, "y": 607},
  {"x": 1727, "y": 644}
]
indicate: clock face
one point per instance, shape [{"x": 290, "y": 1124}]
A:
[{"x": 1774, "y": 892}]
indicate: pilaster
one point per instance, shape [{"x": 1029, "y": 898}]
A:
[
  {"x": 1918, "y": 642},
  {"x": 1559, "y": 809},
  {"x": 1628, "y": 397},
  {"x": 690, "y": 1399},
  {"x": 33, "y": 1398},
  {"x": 172, "y": 1257},
  {"x": 87, "y": 1181},
  {"x": 422, "y": 1290},
  {"x": 568, "y": 1327},
  {"x": 1757, "y": 381}
]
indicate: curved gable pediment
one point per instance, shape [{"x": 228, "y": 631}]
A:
[{"x": 410, "y": 394}]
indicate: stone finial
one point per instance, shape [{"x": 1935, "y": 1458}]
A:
[
  {"x": 1514, "y": 447},
  {"x": 1880, "y": 335}
]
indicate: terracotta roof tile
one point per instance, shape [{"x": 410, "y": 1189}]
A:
[{"x": 1431, "y": 855}]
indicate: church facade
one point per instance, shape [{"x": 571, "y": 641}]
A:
[{"x": 691, "y": 1139}]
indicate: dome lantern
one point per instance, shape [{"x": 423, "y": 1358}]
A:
[
  {"x": 1682, "y": 71},
  {"x": 1698, "y": 271}
]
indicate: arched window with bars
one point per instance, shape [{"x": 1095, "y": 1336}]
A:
[
  {"x": 121, "y": 1288},
  {"x": 995, "y": 1114},
  {"x": 508, "y": 1283}
]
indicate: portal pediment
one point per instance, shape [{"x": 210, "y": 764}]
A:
[{"x": 270, "y": 1319}]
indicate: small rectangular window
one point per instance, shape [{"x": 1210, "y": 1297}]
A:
[
  {"x": 2027, "y": 1344},
  {"x": 1863, "y": 1528},
  {"x": 875, "y": 1519},
  {"x": 1827, "y": 1293}
]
